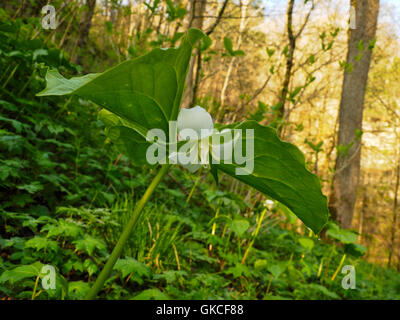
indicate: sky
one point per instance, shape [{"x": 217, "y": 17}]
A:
[{"x": 390, "y": 10}]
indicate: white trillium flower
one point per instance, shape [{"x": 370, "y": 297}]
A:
[{"x": 196, "y": 126}]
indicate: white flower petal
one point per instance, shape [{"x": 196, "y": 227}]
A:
[{"x": 196, "y": 118}]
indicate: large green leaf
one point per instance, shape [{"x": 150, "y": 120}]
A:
[
  {"x": 145, "y": 91},
  {"x": 280, "y": 173},
  {"x": 22, "y": 272}
]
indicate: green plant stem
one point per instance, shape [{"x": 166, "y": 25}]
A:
[
  {"x": 194, "y": 186},
  {"x": 255, "y": 234},
  {"x": 338, "y": 268},
  {"x": 320, "y": 268},
  {"x": 35, "y": 287},
  {"x": 214, "y": 227},
  {"x": 105, "y": 273},
  {"x": 10, "y": 76},
  {"x": 269, "y": 284}
]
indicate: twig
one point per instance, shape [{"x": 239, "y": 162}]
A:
[{"x": 221, "y": 12}]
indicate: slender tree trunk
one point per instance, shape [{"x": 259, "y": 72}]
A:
[
  {"x": 84, "y": 28},
  {"x": 289, "y": 54},
  {"x": 196, "y": 21},
  {"x": 289, "y": 64},
  {"x": 70, "y": 22},
  {"x": 199, "y": 58},
  {"x": 347, "y": 167},
  {"x": 243, "y": 12},
  {"x": 363, "y": 209},
  {"x": 394, "y": 221},
  {"x": 196, "y": 78}
]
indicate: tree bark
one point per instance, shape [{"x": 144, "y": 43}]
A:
[
  {"x": 85, "y": 27},
  {"x": 243, "y": 13},
  {"x": 347, "y": 167},
  {"x": 289, "y": 64},
  {"x": 394, "y": 221},
  {"x": 291, "y": 48},
  {"x": 199, "y": 58},
  {"x": 196, "y": 21}
]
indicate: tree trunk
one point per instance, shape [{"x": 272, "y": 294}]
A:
[
  {"x": 347, "y": 167},
  {"x": 293, "y": 36},
  {"x": 289, "y": 65},
  {"x": 85, "y": 27},
  {"x": 243, "y": 13},
  {"x": 196, "y": 21},
  {"x": 394, "y": 221},
  {"x": 199, "y": 58}
]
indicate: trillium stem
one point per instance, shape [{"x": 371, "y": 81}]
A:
[{"x": 105, "y": 273}]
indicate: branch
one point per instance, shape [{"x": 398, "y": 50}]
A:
[
  {"x": 221, "y": 12},
  {"x": 258, "y": 91},
  {"x": 305, "y": 21}
]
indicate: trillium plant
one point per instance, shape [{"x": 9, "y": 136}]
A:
[{"x": 141, "y": 109}]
